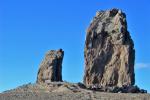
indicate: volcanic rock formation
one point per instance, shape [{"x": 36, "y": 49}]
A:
[
  {"x": 109, "y": 51},
  {"x": 51, "y": 67}
]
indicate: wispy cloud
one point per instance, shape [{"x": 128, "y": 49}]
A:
[{"x": 142, "y": 65}]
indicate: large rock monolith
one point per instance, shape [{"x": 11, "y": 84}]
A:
[
  {"x": 51, "y": 67},
  {"x": 109, "y": 51}
]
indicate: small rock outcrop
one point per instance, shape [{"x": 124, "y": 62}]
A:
[
  {"x": 51, "y": 67},
  {"x": 109, "y": 51}
]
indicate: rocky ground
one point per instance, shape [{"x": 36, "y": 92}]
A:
[{"x": 65, "y": 91}]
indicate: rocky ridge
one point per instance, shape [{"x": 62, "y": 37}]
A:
[{"x": 65, "y": 91}]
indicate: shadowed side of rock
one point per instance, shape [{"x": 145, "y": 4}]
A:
[
  {"x": 51, "y": 67},
  {"x": 109, "y": 51}
]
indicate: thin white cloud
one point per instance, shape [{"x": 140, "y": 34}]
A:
[{"x": 142, "y": 65}]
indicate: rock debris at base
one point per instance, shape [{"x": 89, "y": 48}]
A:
[{"x": 65, "y": 91}]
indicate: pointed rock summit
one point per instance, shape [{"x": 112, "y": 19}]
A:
[
  {"x": 109, "y": 51},
  {"x": 51, "y": 67}
]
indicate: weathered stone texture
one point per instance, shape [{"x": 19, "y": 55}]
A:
[
  {"x": 109, "y": 51},
  {"x": 51, "y": 67}
]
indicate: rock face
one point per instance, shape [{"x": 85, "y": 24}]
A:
[
  {"x": 109, "y": 51},
  {"x": 51, "y": 67}
]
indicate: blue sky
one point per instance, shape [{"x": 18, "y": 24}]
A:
[{"x": 29, "y": 28}]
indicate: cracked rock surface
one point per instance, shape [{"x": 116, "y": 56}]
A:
[{"x": 109, "y": 51}]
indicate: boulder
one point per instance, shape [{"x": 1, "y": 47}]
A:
[
  {"x": 51, "y": 67},
  {"x": 81, "y": 85},
  {"x": 109, "y": 51}
]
